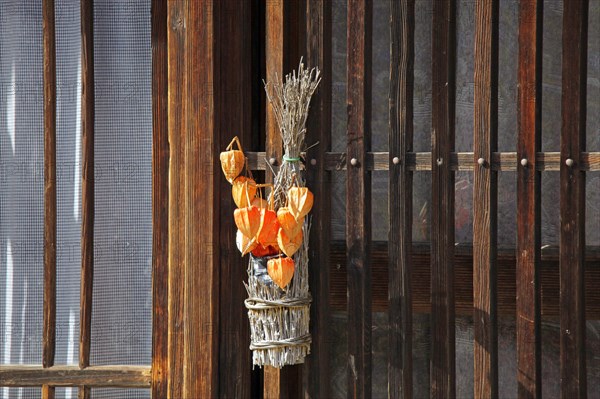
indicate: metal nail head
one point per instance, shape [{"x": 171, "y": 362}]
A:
[
  {"x": 481, "y": 161},
  {"x": 569, "y": 162},
  {"x": 524, "y": 162},
  {"x": 440, "y": 161},
  {"x": 396, "y": 160},
  {"x": 354, "y": 162},
  {"x": 313, "y": 162},
  {"x": 272, "y": 161}
]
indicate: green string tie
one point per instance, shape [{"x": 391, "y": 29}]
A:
[{"x": 288, "y": 159}]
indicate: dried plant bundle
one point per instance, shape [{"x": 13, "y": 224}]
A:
[{"x": 279, "y": 318}]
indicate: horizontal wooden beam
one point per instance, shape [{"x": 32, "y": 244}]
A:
[
  {"x": 73, "y": 376},
  {"x": 421, "y": 161},
  {"x": 463, "y": 271}
]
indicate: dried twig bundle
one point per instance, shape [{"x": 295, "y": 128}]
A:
[{"x": 290, "y": 100}]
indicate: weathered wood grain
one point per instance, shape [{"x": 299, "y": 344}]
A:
[
  {"x": 463, "y": 279},
  {"x": 402, "y": 25},
  {"x": 72, "y": 376},
  {"x": 572, "y": 200},
  {"x": 233, "y": 116},
  {"x": 87, "y": 184},
  {"x": 443, "y": 376},
  {"x": 318, "y": 179},
  {"x": 529, "y": 355},
  {"x": 283, "y": 41},
  {"x": 485, "y": 201},
  {"x": 160, "y": 201},
  {"x": 49, "y": 329},
  {"x": 358, "y": 197}
]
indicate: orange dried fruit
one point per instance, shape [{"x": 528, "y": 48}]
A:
[
  {"x": 269, "y": 226},
  {"x": 232, "y": 161},
  {"x": 300, "y": 201},
  {"x": 281, "y": 270},
  {"x": 289, "y": 245},
  {"x": 244, "y": 244},
  {"x": 247, "y": 221},
  {"x": 243, "y": 189},
  {"x": 260, "y": 202},
  {"x": 288, "y": 222}
]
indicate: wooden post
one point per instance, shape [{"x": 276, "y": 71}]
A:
[
  {"x": 318, "y": 53},
  {"x": 572, "y": 200},
  {"x": 358, "y": 198},
  {"x": 443, "y": 376},
  {"x": 233, "y": 116},
  {"x": 402, "y": 25},
  {"x": 87, "y": 186},
  {"x": 485, "y": 201},
  {"x": 282, "y": 53},
  {"x": 49, "y": 341},
  {"x": 160, "y": 201},
  {"x": 529, "y": 356}
]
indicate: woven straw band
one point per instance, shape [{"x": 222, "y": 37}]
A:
[
  {"x": 296, "y": 341},
  {"x": 288, "y": 159},
  {"x": 263, "y": 304}
]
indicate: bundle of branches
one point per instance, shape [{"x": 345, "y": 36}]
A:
[
  {"x": 290, "y": 100},
  {"x": 279, "y": 316}
]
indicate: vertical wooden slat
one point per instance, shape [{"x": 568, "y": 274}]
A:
[
  {"x": 233, "y": 116},
  {"x": 200, "y": 205},
  {"x": 176, "y": 112},
  {"x": 402, "y": 24},
  {"x": 485, "y": 200},
  {"x": 529, "y": 357},
  {"x": 358, "y": 198},
  {"x": 443, "y": 383},
  {"x": 282, "y": 44},
  {"x": 49, "y": 340},
  {"x": 572, "y": 200},
  {"x": 87, "y": 185},
  {"x": 318, "y": 53},
  {"x": 160, "y": 201}
]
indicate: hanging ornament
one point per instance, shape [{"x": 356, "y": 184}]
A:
[
  {"x": 243, "y": 189},
  {"x": 232, "y": 161},
  {"x": 288, "y": 222},
  {"x": 289, "y": 245},
  {"x": 281, "y": 270},
  {"x": 300, "y": 201},
  {"x": 247, "y": 221},
  {"x": 244, "y": 244}
]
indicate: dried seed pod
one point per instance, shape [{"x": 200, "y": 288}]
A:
[
  {"x": 232, "y": 161},
  {"x": 260, "y": 202},
  {"x": 243, "y": 189},
  {"x": 289, "y": 245},
  {"x": 300, "y": 201},
  {"x": 247, "y": 221},
  {"x": 288, "y": 222},
  {"x": 281, "y": 270},
  {"x": 244, "y": 244},
  {"x": 269, "y": 226}
]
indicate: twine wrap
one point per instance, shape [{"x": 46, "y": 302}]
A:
[{"x": 279, "y": 319}]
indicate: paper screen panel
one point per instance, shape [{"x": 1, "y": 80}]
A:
[
  {"x": 21, "y": 182},
  {"x": 117, "y": 393},
  {"x": 122, "y": 302}
]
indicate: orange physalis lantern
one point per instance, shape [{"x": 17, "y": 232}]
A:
[
  {"x": 288, "y": 245},
  {"x": 243, "y": 190},
  {"x": 247, "y": 221},
  {"x": 269, "y": 226},
  {"x": 281, "y": 271},
  {"x": 259, "y": 202},
  {"x": 262, "y": 251},
  {"x": 244, "y": 244},
  {"x": 300, "y": 201},
  {"x": 232, "y": 161},
  {"x": 288, "y": 222}
]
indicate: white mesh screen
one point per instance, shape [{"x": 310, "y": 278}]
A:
[{"x": 21, "y": 184}]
